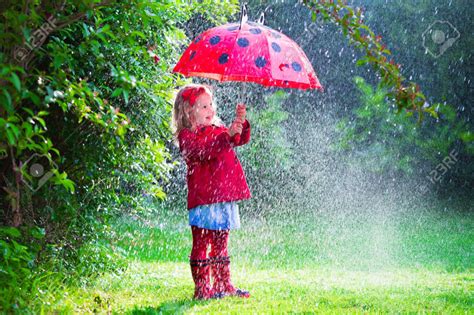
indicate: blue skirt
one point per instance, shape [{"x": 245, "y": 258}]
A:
[{"x": 216, "y": 216}]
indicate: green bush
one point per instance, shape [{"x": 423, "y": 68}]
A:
[
  {"x": 17, "y": 262},
  {"x": 94, "y": 103},
  {"x": 383, "y": 140}
]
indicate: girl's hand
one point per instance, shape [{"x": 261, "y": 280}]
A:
[
  {"x": 240, "y": 113},
  {"x": 235, "y": 128}
]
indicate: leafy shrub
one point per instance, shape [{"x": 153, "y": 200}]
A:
[
  {"x": 17, "y": 262},
  {"x": 93, "y": 99},
  {"x": 383, "y": 141}
]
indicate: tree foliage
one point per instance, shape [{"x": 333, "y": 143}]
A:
[
  {"x": 86, "y": 95},
  {"x": 406, "y": 95},
  {"x": 383, "y": 141}
]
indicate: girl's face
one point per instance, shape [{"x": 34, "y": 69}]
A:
[{"x": 202, "y": 112}]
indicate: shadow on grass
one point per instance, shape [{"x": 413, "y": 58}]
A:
[{"x": 169, "y": 307}]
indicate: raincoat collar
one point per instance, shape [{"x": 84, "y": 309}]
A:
[{"x": 205, "y": 128}]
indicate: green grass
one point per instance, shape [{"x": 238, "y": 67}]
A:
[{"x": 318, "y": 263}]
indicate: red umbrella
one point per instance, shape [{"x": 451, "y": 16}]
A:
[{"x": 249, "y": 52}]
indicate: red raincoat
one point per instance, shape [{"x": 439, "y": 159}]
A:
[{"x": 214, "y": 171}]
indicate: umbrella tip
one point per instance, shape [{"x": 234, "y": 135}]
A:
[
  {"x": 243, "y": 14},
  {"x": 261, "y": 19}
]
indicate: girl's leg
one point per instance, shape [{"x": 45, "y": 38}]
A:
[
  {"x": 219, "y": 240},
  {"x": 200, "y": 264},
  {"x": 220, "y": 266},
  {"x": 201, "y": 240}
]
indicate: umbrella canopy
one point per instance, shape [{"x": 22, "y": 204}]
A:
[{"x": 248, "y": 52}]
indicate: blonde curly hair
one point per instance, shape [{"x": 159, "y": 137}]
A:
[{"x": 180, "y": 118}]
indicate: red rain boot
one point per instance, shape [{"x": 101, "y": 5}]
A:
[
  {"x": 200, "y": 269},
  {"x": 222, "y": 286}
]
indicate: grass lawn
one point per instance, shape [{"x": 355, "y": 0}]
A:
[{"x": 317, "y": 263}]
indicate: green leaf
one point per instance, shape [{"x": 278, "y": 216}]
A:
[
  {"x": 467, "y": 136},
  {"x": 5, "y": 69},
  {"x": 85, "y": 30},
  {"x": 125, "y": 95},
  {"x": 41, "y": 120},
  {"x": 58, "y": 61},
  {"x": 117, "y": 92},
  {"x": 38, "y": 232},
  {"x": 8, "y": 104},
  {"x": 16, "y": 81},
  {"x": 28, "y": 129},
  {"x": 10, "y": 231},
  {"x": 29, "y": 111},
  {"x": 432, "y": 111},
  {"x": 140, "y": 34},
  {"x": 15, "y": 130},
  {"x": 34, "y": 98},
  {"x": 361, "y": 62},
  {"x": 10, "y": 137}
]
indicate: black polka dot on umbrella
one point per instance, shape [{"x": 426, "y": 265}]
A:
[
  {"x": 243, "y": 42},
  {"x": 197, "y": 39},
  {"x": 276, "y": 47},
  {"x": 214, "y": 40},
  {"x": 260, "y": 62},
  {"x": 275, "y": 34},
  {"x": 192, "y": 55},
  {"x": 255, "y": 31},
  {"x": 296, "y": 66},
  {"x": 223, "y": 58},
  {"x": 233, "y": 28}
]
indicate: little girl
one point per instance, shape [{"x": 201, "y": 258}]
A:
[{"x": 215, "y": 182}]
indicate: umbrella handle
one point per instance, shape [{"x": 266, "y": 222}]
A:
[{"x": 242, "y": 100}]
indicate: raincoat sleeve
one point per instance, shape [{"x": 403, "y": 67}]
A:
[
  {"x": 245, "y": 136},
  {"x": 197, "y": 148}
]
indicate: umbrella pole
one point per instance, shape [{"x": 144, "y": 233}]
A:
[
  {"x": 242, "y": 99},
  {"x": 242, "y": 94}
]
